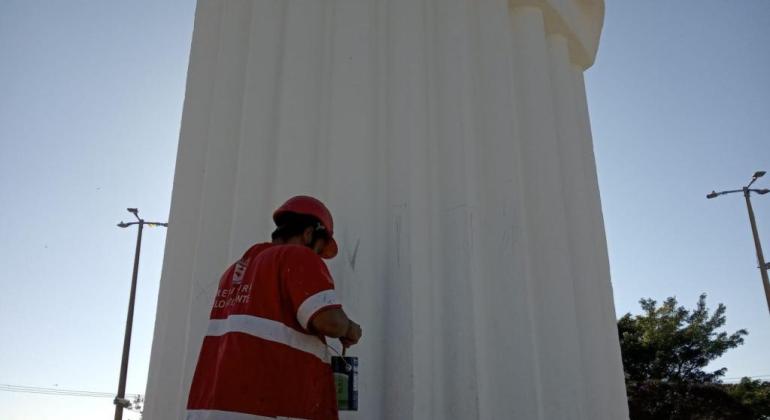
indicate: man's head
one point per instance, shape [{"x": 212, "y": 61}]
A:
[
  {"x": 301, "y": 229},
  {"x": 306, "y": 221}
]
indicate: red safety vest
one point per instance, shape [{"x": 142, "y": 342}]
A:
[{"x": 259, "y": 360}]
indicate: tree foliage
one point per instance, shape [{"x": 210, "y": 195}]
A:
[
  {"x": 666, "y": 351},
  {"x": 670, "y": 343},
  {"x": 753, "y": 394},
  {"x": 659, "y": 400}
]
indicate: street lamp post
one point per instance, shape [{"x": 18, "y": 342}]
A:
[
  {"x": 120, "y": 400},
  {"x": 747, "y": 190}
]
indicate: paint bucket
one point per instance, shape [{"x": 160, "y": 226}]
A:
[{"x": 346, "y": 382}]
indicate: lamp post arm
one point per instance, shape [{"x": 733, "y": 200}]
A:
[
  {"x": 125, "y": 225},
  {"x": 156, "y": 224}
]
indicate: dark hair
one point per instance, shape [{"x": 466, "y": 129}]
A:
[{"x": 293, "y": 224}]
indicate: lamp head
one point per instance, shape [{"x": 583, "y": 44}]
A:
[
  {"x": 758, "y": 174},
  {"x": 712, "y": 194}
]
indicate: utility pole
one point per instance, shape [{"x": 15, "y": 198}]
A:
[
  {"x": 747, "y": 190},
  {"x": 758, "y": 246},
  {"x": 120, "y": 400}
]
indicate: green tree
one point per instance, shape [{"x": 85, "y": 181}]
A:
[
  {"x": 670, "y": 343},
  {"x": 665, "y": 353},
  {"x": 659, "y": 400},
  {"x": 753, "y": 394}
]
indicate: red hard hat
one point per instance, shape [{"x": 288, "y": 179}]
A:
[{"x": 303, "y": 204}]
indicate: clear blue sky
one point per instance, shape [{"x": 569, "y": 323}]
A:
[{"x": 90, "y": 103}]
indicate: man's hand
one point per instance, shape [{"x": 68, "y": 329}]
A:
[
  {"x": 335, "y": 323},
  {"x": 352, "y": 335}
]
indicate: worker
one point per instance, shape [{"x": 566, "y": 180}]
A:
[{"x": 265, "y": 354}]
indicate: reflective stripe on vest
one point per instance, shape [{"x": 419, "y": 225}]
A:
[
  {"x": 229, "y": 415},
  {"x": 270, "y": 330}
]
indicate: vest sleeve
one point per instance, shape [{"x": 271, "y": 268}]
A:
[{"x": 309, "y": 286}]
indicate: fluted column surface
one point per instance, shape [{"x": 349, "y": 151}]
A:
[{"x": 450, "y": 138}]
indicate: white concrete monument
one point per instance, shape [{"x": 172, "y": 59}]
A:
[{"x": 450, "y": 139}]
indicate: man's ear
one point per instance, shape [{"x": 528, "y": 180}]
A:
[{"x": 307, "y": 236}]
